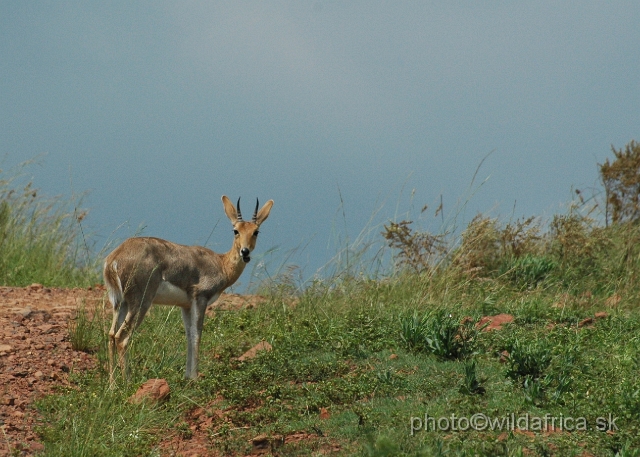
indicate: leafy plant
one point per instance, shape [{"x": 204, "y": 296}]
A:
[
  {"x": 449, "y": 337},
  {"x": 413, "y": 330},
  {"x": 441, "y": 334},
  {"x": 471, "y": 384},
  {"x": 84, "y": 331},
  {"x": 527, "y": 362}
]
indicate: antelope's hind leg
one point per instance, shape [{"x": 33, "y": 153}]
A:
[
  {"x": 131, "y": 317},
  {"x": 120, "y": 312}
]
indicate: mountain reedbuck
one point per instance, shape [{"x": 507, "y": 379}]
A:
[{"x": 143, "y": 271}]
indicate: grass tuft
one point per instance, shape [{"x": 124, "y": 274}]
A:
[{"x": 41, "y": 239}]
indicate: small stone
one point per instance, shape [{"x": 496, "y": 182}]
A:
[
  {"x": 25, "y": 312},
  {"x": 261, "y": 444},
  {"x": 6, "y": 348},
  {"x": 489, "y": 323},
  {"x": 36, "y": 447},
  {"x": 45, "y": 328},
  {"x": 153, "y": 390},
  {"x": 393, "y": 356}
]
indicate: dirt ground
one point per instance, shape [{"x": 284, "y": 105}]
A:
[{"x": 36, "y": 357}]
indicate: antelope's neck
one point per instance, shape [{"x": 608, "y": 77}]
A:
[{"x": 233, "y": 266}]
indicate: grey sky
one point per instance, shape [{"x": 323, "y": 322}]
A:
[{"x": 159, "y": 108}]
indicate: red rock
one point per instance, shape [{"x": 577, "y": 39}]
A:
[
  {"x": 46, "y": 328},
  {"x": 36, "y": 447},
  {"x": 153, "y": 391},
  {"x": 324, "y": 414},
  {"x": 494, "y": 322}
]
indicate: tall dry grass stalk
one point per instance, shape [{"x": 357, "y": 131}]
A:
[{"x": 41, "y": 239}]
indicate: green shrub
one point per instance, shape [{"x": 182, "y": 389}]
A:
[
  {"x": 441, "y": 334},
  {"x": 527, "y": 271},
  {"x": 527, "y": 361}
]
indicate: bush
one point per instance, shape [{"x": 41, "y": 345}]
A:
[
  {"x": 441, "y": 334},
  {"x": 417, "y": 250},
  {"x": 527, "y": 362},
  {"x": 621, "y": 180}
]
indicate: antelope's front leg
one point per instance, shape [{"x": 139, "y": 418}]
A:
[{"x": 193, "y": 320}]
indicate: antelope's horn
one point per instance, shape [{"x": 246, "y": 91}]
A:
[
  {"x": 238, "y": 210},
  {"x": 255, "y": 213}
]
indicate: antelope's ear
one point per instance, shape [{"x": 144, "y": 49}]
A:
[
  {"x": 229, "y": 210},
  {"x": 263, "y": 214}
]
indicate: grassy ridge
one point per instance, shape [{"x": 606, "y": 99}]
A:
[
  {"x": 377, "y": 355},
  {"x": 333, "y": 351},
  {"x": 357, "y": 363}
]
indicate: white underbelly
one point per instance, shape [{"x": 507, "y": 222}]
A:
[{"x": 168, "y": 294}]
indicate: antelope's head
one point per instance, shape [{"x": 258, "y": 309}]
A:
[{"x": 245, "y": 233}]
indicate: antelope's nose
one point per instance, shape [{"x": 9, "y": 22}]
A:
[{"x": 244, "y": 252}]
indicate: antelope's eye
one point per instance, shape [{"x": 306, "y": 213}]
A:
[
  {"x": 235, "y": 232},
  {"x": 256, "y": 233}
]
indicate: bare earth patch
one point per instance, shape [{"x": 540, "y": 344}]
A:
[{"x": 36, "y": 356}]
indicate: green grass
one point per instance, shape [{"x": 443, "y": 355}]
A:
[
  {"x": 333, "y": 351},
  {"x": 372, "y": 367},
  {"x": 41, "y": 238}
]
